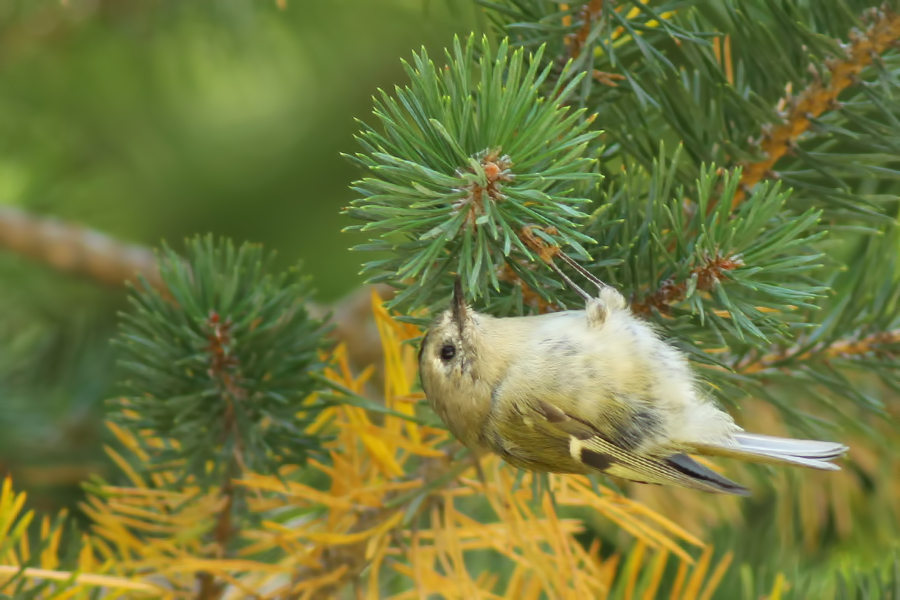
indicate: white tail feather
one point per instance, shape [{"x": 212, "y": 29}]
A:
[
  {"x": 801, "y": 448},
  {"x": 774, "y": 450}
]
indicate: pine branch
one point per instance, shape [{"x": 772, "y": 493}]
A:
[
  {"x": 463, "y": 164},
  {"x": 576, "y": 41},
  {"x": 223, "y": 533},
  {"x": 225, "y": 368},
  {"x": 705, "y": 277},
  {"x": 845, "y": 348},
  {"x": 725, "y": 274},
  {"x": 588, "y": 15},
  {"x": 882, "y": 34},
  {"x": 76, "y": 250}
]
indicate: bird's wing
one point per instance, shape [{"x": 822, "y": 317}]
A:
[{"x": 587, "y": 445}]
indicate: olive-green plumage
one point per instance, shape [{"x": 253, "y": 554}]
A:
[{"x": 589, "y": 390}]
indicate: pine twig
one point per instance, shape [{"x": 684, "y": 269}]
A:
[
  {"x": 76, "y": 250},
  {"x": 89, "y": 253},
  {"x": 588, "y": 15},
  {"x": 529, "y": 296},
  {"x": 225, "y": 369},
  {"x": 671, "y": 292},
  {"x": 210, "y": 589},
  {"x": 882, "y": 34},
  {"x": 576, "y": 41},
  {"x": 546, "y": 252},
  {"x": 842, "y": 348}
]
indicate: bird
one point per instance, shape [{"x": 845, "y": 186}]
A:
[{"x": 592, "y": 390}]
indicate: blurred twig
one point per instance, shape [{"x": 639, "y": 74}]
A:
[
  {"x": 89, "y": 253},
  {"x": 588, "y": 16},
  {"x": 879, "y": 342},
  {"x": 74, "y": 249}
]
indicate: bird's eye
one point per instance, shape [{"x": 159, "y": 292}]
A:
[{"x": 448, "y": 351}]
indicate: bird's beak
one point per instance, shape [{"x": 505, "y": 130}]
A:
[{"x": 458, "y": 305}]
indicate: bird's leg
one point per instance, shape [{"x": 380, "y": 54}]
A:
[
  {"x": 601, "y": 285},
  {"x": 587, "y": 297},
  {"x": 608, "y": 298}
]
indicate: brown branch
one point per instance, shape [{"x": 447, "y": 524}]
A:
[
  {"x": 529, "y": 296},
  {"x": 225, "y": 370},
  {"x": 671, "y": 292},
  {"x": 844, "y": 348},
  {"x": 210, "y": 589},
  {"x": 88, "y": 253},
  {"x": 76, "y": 250},
  {"x": 818, "y": 97},
  {"x": 588, "y": 15},
  {"x": 546, "y": 252}
]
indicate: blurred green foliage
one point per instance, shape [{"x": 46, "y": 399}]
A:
[{"x": 156, "y": 121}]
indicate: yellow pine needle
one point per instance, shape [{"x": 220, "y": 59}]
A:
[
  {"x": 400, "y": 365},
  {"x": 18, "y": 532},
  {"x": 716, "y": 578},
  {"x": 86, "y": 557},
  {"x": 315, "y": 583},
  {"x": 667, "y": 524},
  {"x": 10, "y": 506},
  {"x": 119, "y": 583},
  {"x": 296, "y": 491},
  {"x": 693, "y": 585},
  {"x": 678, "y": 584},
  {"x": 126, "y": 468},
  {"x": 440, "y": 543},
  {"x": 50, "y": 553},
  {"x": 127, "y": 439},
  {"x": 635, "y": 559},
  {"x": 621, "y": 509},
  {"x": 110, "y": 490},
  {"x": 455, "y": 553},
  {"x": 376, "y": 550},
  {"x": 218, "y": 565},
  {"x": 103, "y": 549},
  {"x": 429, "y": 581},
  {"x": 610, "y": 568},
  {"x": 656, "y": 574},
  {"x": 559, "y": 541},
  {"x": 777, "y": 588},
  {"x": 410, "y": 445},
  {"x": 351, "y": 538}
]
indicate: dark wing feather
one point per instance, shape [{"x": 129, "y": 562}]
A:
[{"x": 588, "y": 447}]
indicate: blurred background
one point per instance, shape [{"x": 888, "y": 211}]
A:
[{"x": 156, "y": 120}]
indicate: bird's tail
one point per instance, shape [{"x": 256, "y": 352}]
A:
[{"x": 766, "y": 449}]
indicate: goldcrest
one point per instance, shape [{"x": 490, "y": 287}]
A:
[{"x": 593, "y": 390}]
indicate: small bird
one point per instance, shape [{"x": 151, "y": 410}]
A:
[{"x": 588, "y": 390}]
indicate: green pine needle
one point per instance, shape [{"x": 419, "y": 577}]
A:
[
  {"x": 221, "y": 365},
  {"x": 466, "y": 159}
]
